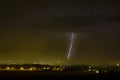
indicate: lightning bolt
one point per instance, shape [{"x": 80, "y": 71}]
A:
[{"x": 71, "y": 45}]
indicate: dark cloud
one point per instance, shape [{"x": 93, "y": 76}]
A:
[{"x": 60, "y": 14}]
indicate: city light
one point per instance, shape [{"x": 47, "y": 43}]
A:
[
  {"x": 7, "y": 68},
  {"x": 30, "y": 69},
  {"x": 118, "y": 64},
  {"x": 44, "y": 68},
  {"x": 97, "y": 71},
  {"x": 48, "y": 68},
  {"x": 22, "y": 68}
]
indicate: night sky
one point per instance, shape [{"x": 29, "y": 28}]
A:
[{"x": 40, "y": 31}]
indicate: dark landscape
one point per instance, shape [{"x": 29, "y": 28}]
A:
[{"x": 36, "y": 75}]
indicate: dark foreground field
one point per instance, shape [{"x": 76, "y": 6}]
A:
[{"x": 26, "y": 75}]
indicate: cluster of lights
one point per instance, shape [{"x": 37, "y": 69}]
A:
[
  {"x": 55, "y": 68},
  {"x": 33, "y": 69},
  {"x": 9, "y": 68},
  {"x": 21, "y": 68},
  {"x": 59, "y": 68},
  {"x": 90, "y": 69}
]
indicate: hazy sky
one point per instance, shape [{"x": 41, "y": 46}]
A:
[{"x": 40, "y": 31}]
